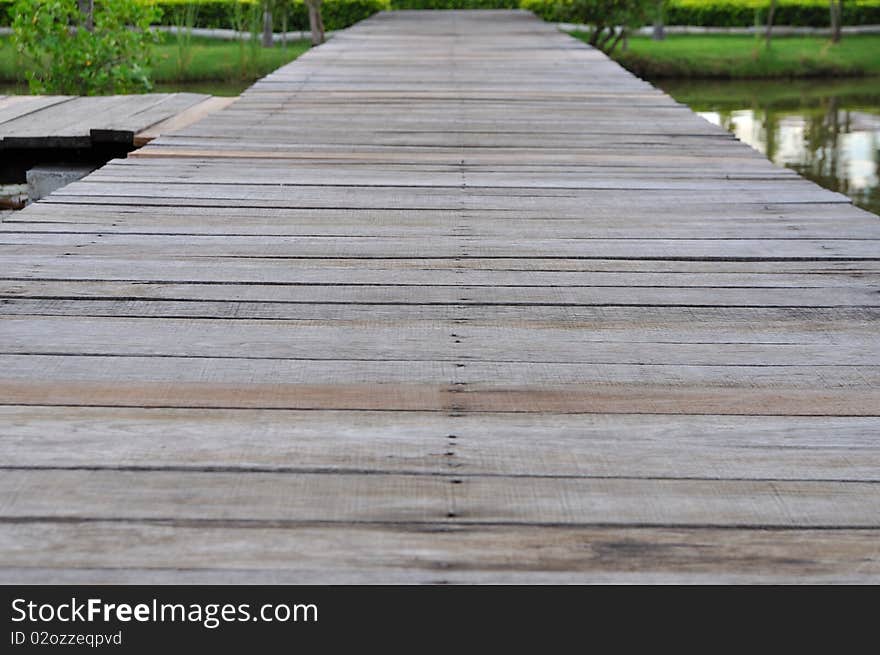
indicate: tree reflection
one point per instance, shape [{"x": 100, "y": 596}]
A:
[
  {"x": 822, "y": 161},
  {"x": 828, "y": 132}
]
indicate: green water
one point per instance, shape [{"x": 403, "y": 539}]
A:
[{"x": 826, "y": 130}]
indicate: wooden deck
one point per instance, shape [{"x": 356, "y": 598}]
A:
[
  {"x": 452, "y": 298},
  {"x": 83, "y": 122}
]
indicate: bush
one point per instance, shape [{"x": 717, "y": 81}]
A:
[
  {"x": 603, "y": 16},
  {"x": 553, "y": 11},
  {"x": 455, "y": 4},
  {"x": 337, "y": 14},
  {"x": 734, "y": 13},
  {"x": 68, "y": 58},
  {"x": 744, "y": 13}
]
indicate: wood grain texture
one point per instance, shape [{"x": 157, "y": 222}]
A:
[
  {"x": 452, "y": 298},
  {"x": 192, "y": 552},
  {"x": 81, "y": 122}
]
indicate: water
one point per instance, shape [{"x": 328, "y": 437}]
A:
[{"x": 826, "y": 130}]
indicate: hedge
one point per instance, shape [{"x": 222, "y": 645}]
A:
[
  {"x": 337, "y": 14},
  {"x": 736, "y": 13},
  {"x": 744, "y": 13},
  {"x": 715, "y": 13},
  {"x": 455, "y": 4}
]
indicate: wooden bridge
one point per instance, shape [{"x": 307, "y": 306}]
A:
[{"x": 452, "y": 298}]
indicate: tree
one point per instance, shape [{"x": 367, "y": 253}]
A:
[
  {"x": 609, "y": 20},
  {"x": 836, "y": 20},
  {"x": 267, "y": 24},
  {"x": 79, "y": 47},
  {"x": 768, "y": 32},
  {"x": 658, "y": 33},
  {"x": 316, "y": 23}
]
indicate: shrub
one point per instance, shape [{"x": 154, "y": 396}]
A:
[
  {"x": 337, "y": 14},
  {"x": 603, "y": 16},
  {"x": 744, "y": 13},
  {"x": 735, "y": 13},
  {"x": 111, "y": 58},
  {"x": 455, "y": 4}
]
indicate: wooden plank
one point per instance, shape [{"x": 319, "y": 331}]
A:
[
  {"x": 14, "y": 107},
  {"x": 451, "y": 294},
  {"x": 293, "y": 340},
  {"x": 64, "y": 121},
  {"x": 598, "y": 445},
  {"x": 436, "y": 273},
  {"x": 155, "y": 553},
  {"x": 181, "y": 119},
  {"x": 168, "y": 106},
  {"x": 825, "y": 324},
  {"x": 393, "y": 498},
  {"x": 555, "y": 271},
  {"x": 499, "y": 374},
  {"x": 438, "y": 385},
  {"x": 121, "y": 245}
]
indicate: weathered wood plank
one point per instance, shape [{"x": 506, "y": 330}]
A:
[
  {"x": 450, "y": 294},
  {"x": 401, "y": 197},
  {"x": 122, "y": 245},
  {"x": 293, "y": 340},
  {"x": 599, "y": 445},
  {"x": 65, "y": 121},
  {"x": 551, "y": 271},
  {"x": 393, "y": 498},
  {"x": 14, "y": 107},
  {"x": 450, "y": 386},
  {"x": 152, "y": 553}
]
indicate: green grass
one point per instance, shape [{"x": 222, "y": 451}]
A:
[
  {"x": 734, "y": 57},
  {"x": 210, "y": 60},
  {"x": 214, "y": 60}
]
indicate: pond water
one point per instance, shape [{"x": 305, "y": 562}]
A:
[{"x": 826, "y": 130}]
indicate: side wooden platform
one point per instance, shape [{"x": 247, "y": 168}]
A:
[
  {"x": 31, "y": 122},
  {"x": 452, "y": 298}
]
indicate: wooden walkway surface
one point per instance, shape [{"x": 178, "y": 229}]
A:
[
  {"x": 82, "y": 122},
  {"x": 452, "y": 298}
]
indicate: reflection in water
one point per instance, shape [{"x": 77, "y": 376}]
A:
[{"x": 828, "y": 132}]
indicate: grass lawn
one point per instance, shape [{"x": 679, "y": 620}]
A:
[
  {"x": 735, "y": 56},
  {"x": 208, "y": 60}
]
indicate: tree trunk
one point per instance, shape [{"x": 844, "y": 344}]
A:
[
  {"x": 87, "y": 9},
  {"x": 267, "y": 26},
  {"x": 321, "y": 20},
  {"x": 769, "y": 32},
  {"x": 316, "y": 24},
  {"x": 605, "y": 40},
  {"x": 620, "y": 35},
  {"x": 836, "y": 19},
  {"x": 659, "y": 32},
  {"x": 596, "y": 34}
]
